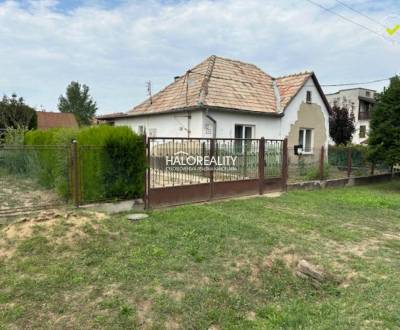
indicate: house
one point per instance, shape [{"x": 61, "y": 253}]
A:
[
  {"x": 46, "y": 120},
  {"x": 359, "y": 101},
  {"x": 225, "y": 98}
]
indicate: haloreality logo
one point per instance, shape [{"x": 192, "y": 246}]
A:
[{"x": 183, "y": 160}]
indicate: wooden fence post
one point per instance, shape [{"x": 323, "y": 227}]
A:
[
  {"x": 372, "y": 168},
  {"x": 75, "y": 173},
  {"x": 285, "y": 158},
  {"x": 261, "y": 164},
  {"x": 349, "y": 162},
  {"x": 321, "y": 163}
]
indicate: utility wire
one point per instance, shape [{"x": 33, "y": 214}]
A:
[
  {"x": 360, "y": 13},
  {"x": 357, "y": 83},
  {"x": 349, "y": 20}
]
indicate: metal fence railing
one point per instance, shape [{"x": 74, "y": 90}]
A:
[{"x": 187, "y": 161}]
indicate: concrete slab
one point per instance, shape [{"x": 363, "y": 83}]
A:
[
  {"x": 137, "y": 216},
  {"x": 117, "y": 207}
]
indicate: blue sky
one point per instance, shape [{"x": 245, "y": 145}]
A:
[{"x": 116, "y": 46}]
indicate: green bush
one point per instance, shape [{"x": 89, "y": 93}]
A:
[
  {"x": 124, "y": 165},
  {"x": 48, "y": 154},
  {"x": 111, "y": 161}
]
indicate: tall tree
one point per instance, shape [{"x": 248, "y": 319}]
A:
[
  {"x": 78, "y": 101},
  {"x": 14, "y": 113},
  {"x": 384, "y": 137},
  {"x": 341, "y": 125}
]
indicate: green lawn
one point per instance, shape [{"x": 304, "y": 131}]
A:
[{"x": 221, "y": 265}]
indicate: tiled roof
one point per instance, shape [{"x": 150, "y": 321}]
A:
[
  {"x": 289, "y": 86},
  {"x": 225, "y": 83},
  {"x": 48, "y": 120}
]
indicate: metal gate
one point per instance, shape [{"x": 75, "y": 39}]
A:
[{"x": 184, "y": 170}]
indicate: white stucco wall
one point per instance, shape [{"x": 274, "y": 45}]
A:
[
  {"x": 176, "y": 124},
  {"x": 291, "y": 111},
  {"x": 263, "y": 126},
  {"x": 166, "y": 125}
]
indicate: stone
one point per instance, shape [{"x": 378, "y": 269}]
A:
[{"x": 137, "y": 216}]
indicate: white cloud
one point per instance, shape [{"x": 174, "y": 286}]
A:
[{"x": 116, "y": 50}]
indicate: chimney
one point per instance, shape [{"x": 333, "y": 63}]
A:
[{"x": 176, "y": 78}]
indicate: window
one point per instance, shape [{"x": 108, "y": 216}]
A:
[
  {"x": 242, "y": 132},
  {"x": 367, "y": 94},
  {"x": 309, "y": 97},
  {"x": 141, "y": 130},
  {"x": 306, "y": 140},
  {"x": 363, "y": 131}
]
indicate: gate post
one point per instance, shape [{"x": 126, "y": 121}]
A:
[
  {"x": 261, "y": 164},
  {"x": 321, "y": 163},
  {"x": 146, "y": 172},
  {"x": 285, "y": 164},
  {"x": 75, "y": 173}
]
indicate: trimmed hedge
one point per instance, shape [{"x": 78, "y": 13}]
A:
[{"x": 112, "y": 161}]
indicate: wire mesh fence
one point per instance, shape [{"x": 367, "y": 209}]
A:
[
  {"x": 27, "y": 182},
  {"x": 304, "y": 166},
  {"x": 38, "y": 177},
  {"x": 338, "y": 162}
]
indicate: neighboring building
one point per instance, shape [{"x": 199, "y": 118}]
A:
[
  {"x": 224, "y": 98},
  {"x": 46, "y": 120},
  {"x": 359, "y": 101}
]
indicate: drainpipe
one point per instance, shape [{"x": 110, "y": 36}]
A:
[{"x": 214, "y": 123}]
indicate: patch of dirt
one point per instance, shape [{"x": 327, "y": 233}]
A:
[
  {"x": 176, "y": 295},
  {"x": 23, "y": 192},
  {"x": 391, "y": 236},
  {"x": 348, "y": 279},
  {"x": 213, "y": 327},
  {"x": 285, "y": 254},
  {"x": 358, "y": 249},
  {"x": 251, "y": 316},
  {"x": 144, "y": 309},
  {"x": 46, "y": 222},
  {"x": 172, "y": 325}
]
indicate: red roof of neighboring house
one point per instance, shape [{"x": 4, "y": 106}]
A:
[{"x": 48, "y": 120}]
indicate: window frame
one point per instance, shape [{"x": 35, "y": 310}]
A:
[
  {"x": 304, "y": 130},
  {"x": 309, "y": 97},
  {"x": 244, "y": 126},
  {"x": 141, "y": 130},
  {"x": 240, "y": 146}
]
